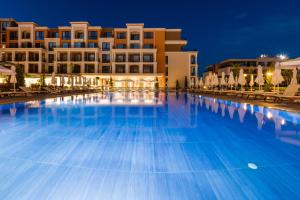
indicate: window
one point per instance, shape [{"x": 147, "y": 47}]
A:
[
  {"x": 193, "y": 71},
  {"x": 39, "y": 45},
  {"x": 20, "y": 56},
  {"x": 13, "y": 35},
  {"x": 148, "y": 58},
  {"x": 51, "y": 46},
  {"x": 105, "y": 46},
  {"x": 76, "y": 57},
  {"x": 107, "y": 34},
  {"x": 105, "y": 58},
  {"x": 89, "y": 57},
  {"x": 63, "y": 57},
  {"x": 13, "y": 45},
  {"x": 134, "y": 69},
  {"x": 62, "y": 69},
  {"x": 75, "y": 68},
  {"x": 33, "y": 56},
  {"x": 53, "y": 34},
  {"x": 166, "y": 60},
  {"x": 50, "y": 69},
  {"x": 148, "y": 35},
  {"x": 51, "y": 58},
  {"x": 120, "y": 68},
  {"x": 121, "y": 35},
  {"x": 66, "y": 35},
  {"x": 148, "y": 46},
  {"x": 89, "y": 68},
  {"x": 134, "y": 46},
  {"x": 193, "y": 59},
  {"x": 66, "y": 45},
  {"x": 25, "y": 35},
  {"x": 92, "y": 35},
  {"x": 167, "y": 71},
  {"x": 92, "y": 45},
  {"x": 134, "y": 58},
  {"x": 106, "y": 69},
  {"x": 33, "y": 68},
  {"x": 79, "y": 35},
  {"x": 134, "y": 36},
  {"x": 79, "y": 44},
  {"x": 26, "y": 45},
  {"x": 121, "y": 46},
  {"x": 148, "y": 68},
  {"x": 120, "y": 58},
  {"x": 39, "y": 35}
]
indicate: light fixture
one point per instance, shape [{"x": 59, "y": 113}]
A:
[
  {"x": 252, "y": 166},
  {"x": 269, "y": 74},
  {"x": 282, "y": 56}
]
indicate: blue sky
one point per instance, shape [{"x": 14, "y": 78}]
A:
[{"x": 217, "y": 29}]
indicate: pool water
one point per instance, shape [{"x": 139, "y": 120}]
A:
[{"x": 147, "y": 146}]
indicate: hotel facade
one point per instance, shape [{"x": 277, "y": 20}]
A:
[{"x": 133, "y": 56}]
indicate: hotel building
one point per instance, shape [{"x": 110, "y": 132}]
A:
[{"x": 134, "y": 56}]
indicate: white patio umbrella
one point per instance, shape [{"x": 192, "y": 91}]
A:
[
  {"x": 294, "y": 78},
  {"x": 242, "y": 79},
  {"x": 80, "y": 80},
  {"x": 242, "y": 112},
  {"x": 231, "y": 80},
  {"x": 13, "y": 78},
  {"x": 53, "y": 79},
  {"x": 277, "y": 78},
  {"x": 260, "y": 77},
  {"x": 223, "y": 81}
]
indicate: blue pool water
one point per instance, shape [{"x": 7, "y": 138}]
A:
[{"x": 147, "y": 146}]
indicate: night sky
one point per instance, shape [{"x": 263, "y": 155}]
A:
[{"x": 217, "y": 29}]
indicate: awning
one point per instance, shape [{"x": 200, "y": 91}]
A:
[
  {"x": 290, "y": 64},
  {"x": 5, "y": 71}
]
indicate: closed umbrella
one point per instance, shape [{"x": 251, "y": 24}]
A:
[
  {"x": 223, "y": 81},
  {"x": 277, "y": 77},
  {"x": 215, "y": 80},
  {"x": 294, "y": 78},
  {"x": 241, "y": 79},
  {"x": 231, "y": 80},
  {"x": 251, "y": 81},
  {"x": 260, "y": 77},
  {"x": 53, "y": 79},
  {"x": 62, "y": 80},
  {"x": 13, "y": 78}
]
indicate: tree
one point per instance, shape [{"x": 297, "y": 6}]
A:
[
  {"x": 177, "y": 85},
  {"x": 20, "y": 76},
  {"x": 111, "y": 84},
  {"x": 287, "y": 75},
  {"x": 185, "y": 83},
  {"x": 156, "y": 85},
  {"x": 235, "y": 69}
]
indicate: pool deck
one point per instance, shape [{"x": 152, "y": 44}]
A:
[{"x": 291, "y": 107}]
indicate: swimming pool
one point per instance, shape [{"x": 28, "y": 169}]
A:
[{"x": 147, "y": 146}]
